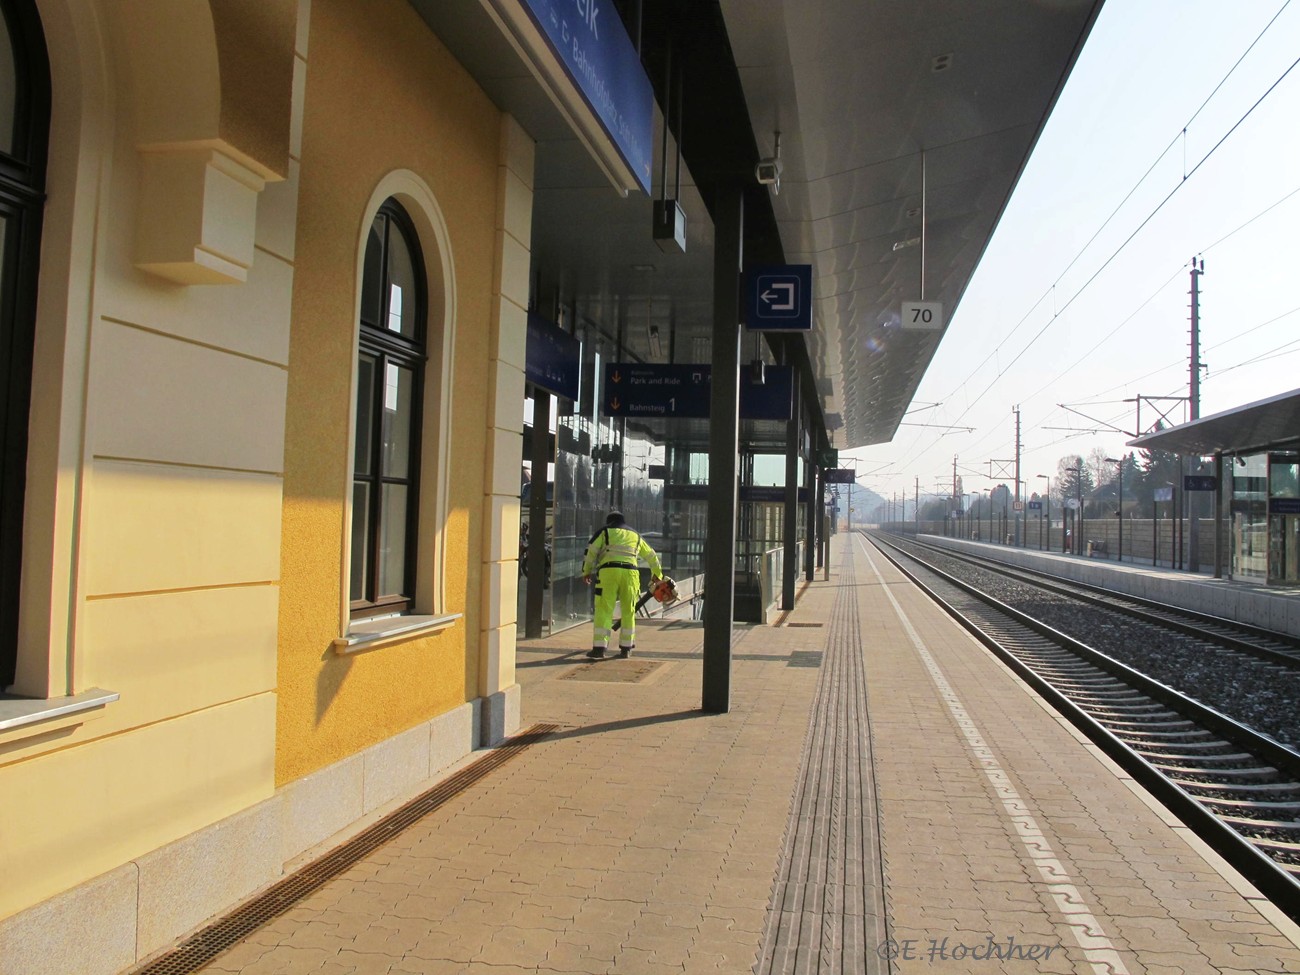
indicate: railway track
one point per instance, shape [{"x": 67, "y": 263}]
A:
[
  {"x": 1236, "y": 788},
  {"x": 1267, "y": 645}
]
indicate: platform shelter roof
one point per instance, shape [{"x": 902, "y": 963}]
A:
[{"x": 1264, "y": 424}]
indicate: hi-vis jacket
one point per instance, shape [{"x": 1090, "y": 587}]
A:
[{"x": 618, "y": 548}]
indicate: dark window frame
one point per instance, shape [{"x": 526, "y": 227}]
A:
[
  {"x": 22, "y": 203},
  {"x": 390, "y": 348}
]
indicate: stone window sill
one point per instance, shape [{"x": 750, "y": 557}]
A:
[
  {"x": 386, "y": 630},
  {"x": 27, "y": 717}
]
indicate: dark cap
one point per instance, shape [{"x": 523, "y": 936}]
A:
[{"x": 614, "y": 519}]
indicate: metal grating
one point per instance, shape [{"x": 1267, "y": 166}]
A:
[
  {"x": 614, "y": 671},
  {"x": 201, "y": 948},
  {"x": 804, "y": 624},
  {"x": 805, "y": 658}
]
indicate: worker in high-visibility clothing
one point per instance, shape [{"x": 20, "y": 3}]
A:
[{"x": 611, "y": 560}]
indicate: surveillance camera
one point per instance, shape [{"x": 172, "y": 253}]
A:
[{"x": 768, "y": 172}]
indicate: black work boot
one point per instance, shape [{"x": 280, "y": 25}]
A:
[
  {"x": 625, "y": 652},
  {"x": 596, "y": 653}
]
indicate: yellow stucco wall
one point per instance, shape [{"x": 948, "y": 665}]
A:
[{"x": 382, "y": 94}]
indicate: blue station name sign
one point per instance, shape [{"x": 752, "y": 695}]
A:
[
  {"x": 683, "y": 391},
  {"x": 552, "y": 357},
  {"x": 589, "y": 39}
]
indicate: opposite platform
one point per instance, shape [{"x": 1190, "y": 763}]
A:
[{"x": 883, "y": 796}]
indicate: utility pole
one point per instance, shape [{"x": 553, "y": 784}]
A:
[
  {"x": 952, "y": 504},
  {"x": 1016, "y": 411},
  {"x": 1194, "y": 410},
  {"x": 916, "y": 505}
]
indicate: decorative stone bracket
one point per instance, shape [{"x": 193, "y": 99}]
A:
[
  {"x": 211, "y": 88},
  {"x": 197, "y": 215}
]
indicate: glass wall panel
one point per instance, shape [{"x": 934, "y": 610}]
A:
[
  {"x": 1284, "y": 475},
  {"x": 1249, "y": 508}
]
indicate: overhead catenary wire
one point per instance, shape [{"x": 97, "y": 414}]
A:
[{"x": 1056, "y": 316}]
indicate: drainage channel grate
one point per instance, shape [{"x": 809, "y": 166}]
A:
[
  {"x": 803, "y": 624},
  {"x": 203, "y": 947}
]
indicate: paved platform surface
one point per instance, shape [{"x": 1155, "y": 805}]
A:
[{"x": 882, "y": 796}]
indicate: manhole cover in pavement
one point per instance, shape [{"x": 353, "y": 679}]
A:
[{"x": 614, "y": 670}]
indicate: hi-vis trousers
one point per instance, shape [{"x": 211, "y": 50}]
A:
[{"x": 613, "y": 586}]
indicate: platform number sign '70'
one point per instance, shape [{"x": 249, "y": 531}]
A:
[{"x": 923, "y": 316}]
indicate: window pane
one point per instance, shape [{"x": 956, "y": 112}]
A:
[
  {"x": 8, "y": 88},
  {"x": 392, "y": 529},
  {"x": 366, "y": 365},
  {"x": 372, "y": 274},
  {"x": 401, "y": 286},
  {"x": 399, "y": 383},
  {"x": 360, "y": 547}
]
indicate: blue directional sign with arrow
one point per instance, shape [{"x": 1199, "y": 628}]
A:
[
  {"x": 682, "y": 390},
  {"x": 649, "y": 389},
  {"x": 779, "y": 298}
]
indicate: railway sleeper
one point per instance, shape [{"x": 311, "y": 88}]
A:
[
  {"x": 1263, "y": 805},
  {"x": 1263, "y": 772},
  {"x": 1191, "y": 747},
  {"x": 1278, "y": 846},
  {"x": 1165, "y": 753},
  {"x": 1245, "y": 822},
  {"x": 1170, "y": 735},
  {"x": 1240, "y": 788}
]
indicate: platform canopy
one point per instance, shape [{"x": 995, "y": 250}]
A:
[
  {"x": 901, "y": 123},
  {"x": 1265, "y": 424}
]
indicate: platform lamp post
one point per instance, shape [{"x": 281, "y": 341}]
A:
[
  {"x": 1119, "y": 464},
  {"x": 1048, "y": 509},
  {"x": 1078, "y": 512}
]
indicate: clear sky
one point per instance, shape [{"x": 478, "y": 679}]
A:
[{"x": 1054, "y": 316}]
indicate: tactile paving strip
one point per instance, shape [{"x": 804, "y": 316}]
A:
[
  {"x": 196, "y": 951},
  {"x": 827, "y": 911}
]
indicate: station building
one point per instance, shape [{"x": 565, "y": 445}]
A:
[{"x": 279, "y": 278}]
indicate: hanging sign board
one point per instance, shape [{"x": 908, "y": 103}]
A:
[
  {"x": 1035, "y": 506},
  {"x": 589, "y": 40},
  {"x": 830, "y": 457},
  {"x": 1198, "y": 482},
  {"x": 682, "y": 391},
  {"x": 923, "y": 316},
  {"x": 552, "y": 357},
  {"x": 840, "y": 475},
  {"x": 772, "y": 399},
  {"x": 1284, "y": 506},
  {"x": 778, "y": 298},
  {"x": 1163, "y": 494},
  {"x": 656, "y": 389}
]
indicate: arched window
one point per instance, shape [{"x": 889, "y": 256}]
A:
[
  {"x": 24, "y": 134},
  {"x": 390, "y": 380}
]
